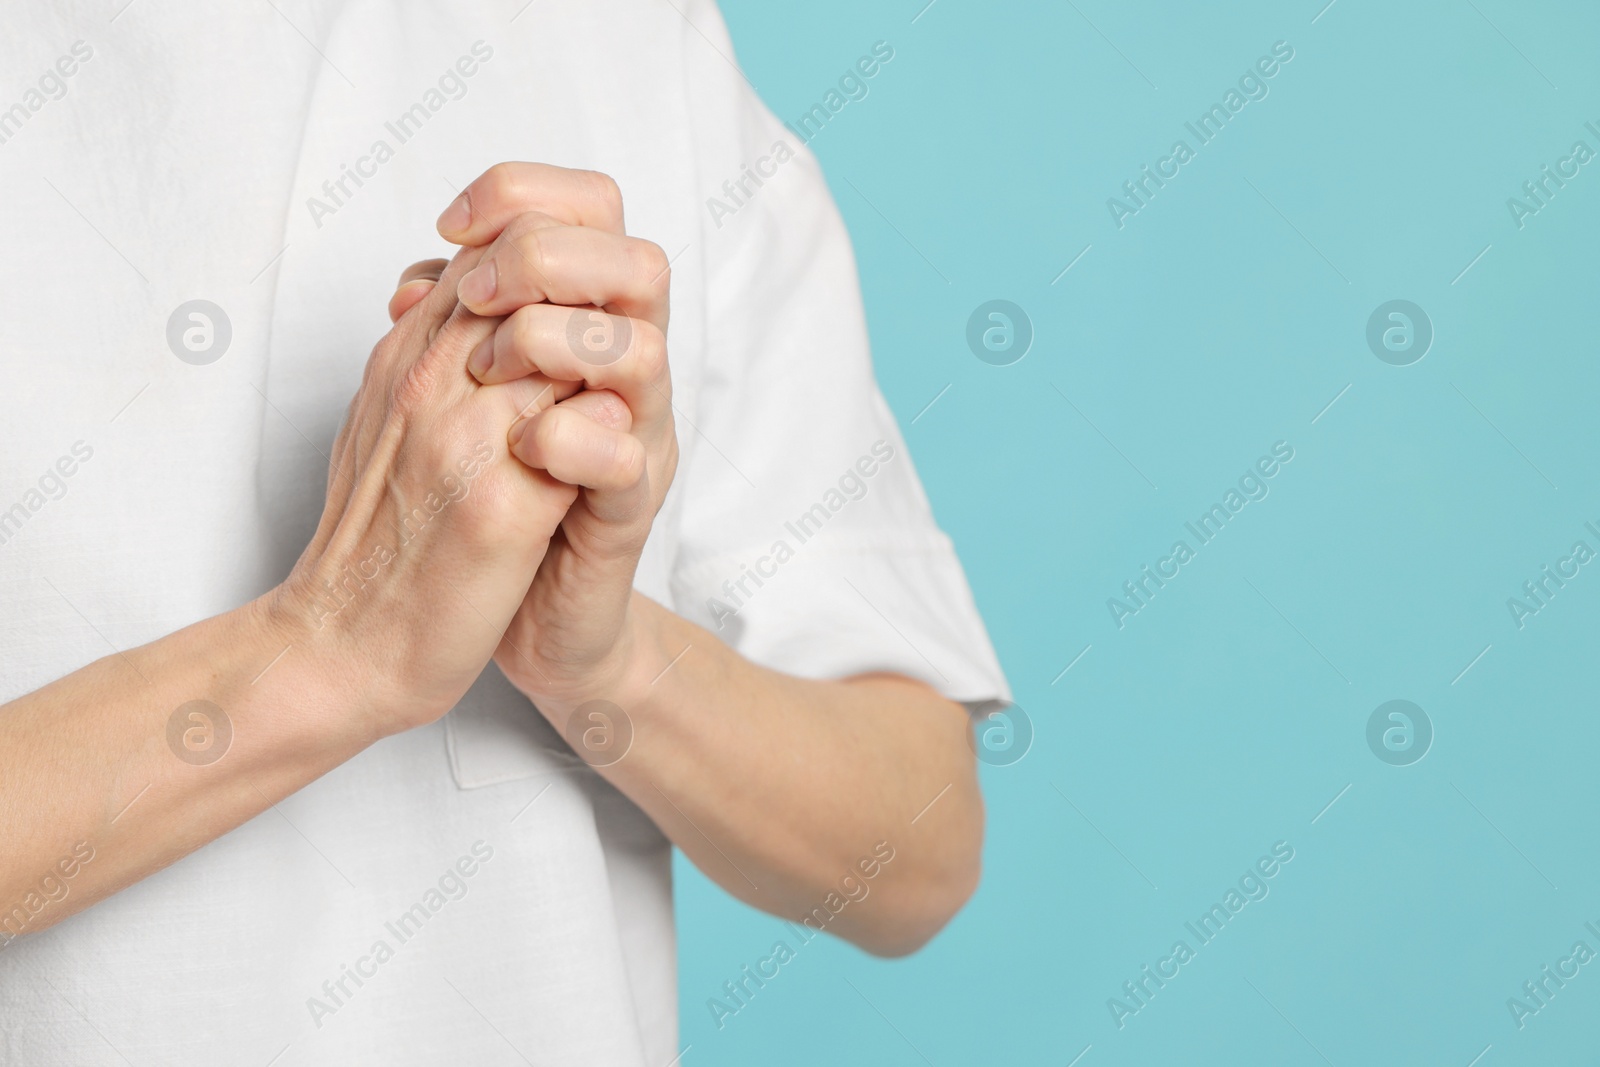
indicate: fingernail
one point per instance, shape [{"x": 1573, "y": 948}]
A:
[
  {"x": 482, "y": 357},
  {"x": 478, "y": 287},
  {"x": 456, "y": 218},
  {"x": 517, "y": 430}
]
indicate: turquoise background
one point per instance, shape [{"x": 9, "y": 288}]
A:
[{"x": 1226, "y": 715}]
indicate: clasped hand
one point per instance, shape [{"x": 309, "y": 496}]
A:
[{"x": 498, "y": 471}]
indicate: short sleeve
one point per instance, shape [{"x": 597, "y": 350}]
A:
[{"x": 803, "y": 536}]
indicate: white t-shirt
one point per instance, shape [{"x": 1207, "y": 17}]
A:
[{"x": 283, "y": 162}]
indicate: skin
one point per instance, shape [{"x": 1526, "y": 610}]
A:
[{"x": 777, "y": 787}]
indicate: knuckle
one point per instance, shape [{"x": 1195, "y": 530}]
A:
[
  {"x": 385, "y": 366},
  {"x": 649, "y": 259},
  {"x": 518, "y": 338},
  {"x": 649, "y": 350},
  {"x": 631, "y": 461},
  {"x": 450, "y": 341},
  {"x": 412, "y": 389},
  {"x": 534, "y": 253},
  {"x": 499, "y": 183},
  {"x": 606, "y": 192},
  {"x": 552, "y": 432}
]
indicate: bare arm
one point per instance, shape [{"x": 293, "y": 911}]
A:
[
  {"x": 430, "y": 533},
  {"x": 852, "y": 804},
  {"x": 94, "y": 797}
]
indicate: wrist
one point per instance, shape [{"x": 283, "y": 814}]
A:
[
  {"x": 647, "y": 652},
  {"x": 334, "y": 692},
  {"x": 622, "y": 676},
  {"x": 602, "y": 717},
  {"x": 673, "y": 664},
  {"x": 381, "y": 663},
  {"x": 622, "y": 673}
]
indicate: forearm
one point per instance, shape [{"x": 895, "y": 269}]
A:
[
  {"x": 778, "y": 787},
  {"x": 88, "y": 767}
]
